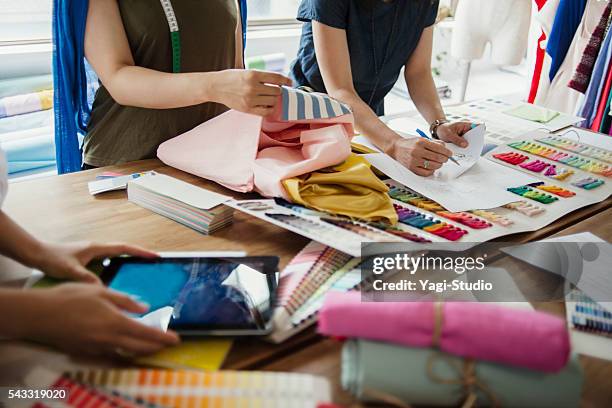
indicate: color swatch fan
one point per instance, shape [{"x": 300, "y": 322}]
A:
[{"x": 195, "y": 207}]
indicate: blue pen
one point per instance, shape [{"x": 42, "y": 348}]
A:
[{"x": 424, "y": 135}]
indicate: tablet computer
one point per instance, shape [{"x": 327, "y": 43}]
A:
[{"x": 209, "y": 296}]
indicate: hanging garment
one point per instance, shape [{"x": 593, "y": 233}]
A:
[
  {"x": 559, "y": 96},
  {"x": 503, "y": 23},
  {"x": 583, "y": 73},
  {"x": 245, "y": 152},
  {"x": 568, "y": 18},
  {"x": 539, "y": 62},
  {"x": 588, "y": 108},
  {"x": 602, "y": 102},
  {"x": 606, "y": 120},
  {"x": 546, "y": 18},
  {"x": 349, "y": 189}
]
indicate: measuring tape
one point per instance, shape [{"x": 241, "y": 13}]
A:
[{"x": 175, "y": 35}]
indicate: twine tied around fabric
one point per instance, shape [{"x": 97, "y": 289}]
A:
[{"x": 466, "y": 377}]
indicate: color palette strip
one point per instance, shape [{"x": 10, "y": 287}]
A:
[
  {"x": 589, "y": 183},
  {"x": 588, "y": 316},
  {"x": 577, "y": 147},
  {"x": 525, "y": 208},
  {"x": 558, "y": 173},
  {"x": 212, "y": 389},
  {"x": 556, "y": 190},
  {"x": 493, "y": 217},
  {"x": 586, "y": 164},
  {"x": 532, "y": 194},
  {"x": 429, "y": 224}
]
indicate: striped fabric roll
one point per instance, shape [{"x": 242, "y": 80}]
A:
[
  {"x": 27, "y": 103},
  {"x": 302, "y": 105}
]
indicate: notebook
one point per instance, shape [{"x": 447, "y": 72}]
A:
[
  {"x": 312, "y": 273},
  {"x": 194, "y": 207}
]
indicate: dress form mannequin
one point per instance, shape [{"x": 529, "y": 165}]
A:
[{"x": 503, "y": 23}]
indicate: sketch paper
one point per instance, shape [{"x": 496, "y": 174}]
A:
[
  {"x": 466, "y": 157},
  {"x": 481, "y": 187}
]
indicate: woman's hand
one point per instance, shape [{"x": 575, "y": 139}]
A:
[
  {"x": 453, "y": 133},
  {"x": 249, "y": 91},
  {"x": 419, "y": 155},
  {"x": 88, "y": 319},
  {"x": 69, "y": 261}
]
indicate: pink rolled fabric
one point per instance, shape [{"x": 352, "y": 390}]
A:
[
  {"x": 245, "y": 152},
  {"x": 521, "y": 338}
]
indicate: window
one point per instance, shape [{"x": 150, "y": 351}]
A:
[
  {"x": 25, "y": 20},
  {"x": 263, "y": 12}
]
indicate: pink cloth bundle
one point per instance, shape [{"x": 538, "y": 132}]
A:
[
  {"x": 521, "y": 338},
  {"x": 244, "y": 152}
]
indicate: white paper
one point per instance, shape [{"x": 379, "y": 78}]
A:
[
  {"x": 181, "y": 191},
  {"x": 158, "y": 319},
  {"x": 466, "y": 157},
  {"x": 111, "y": 184},
  {"x": 482, "y": 187}
]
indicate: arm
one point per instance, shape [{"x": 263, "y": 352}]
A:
[
  {"x": 422, "y": 89},
  {"x": 334, "y": 62},
  {"x": 108, "y": 52},
  {"x": 63, "y": 261}
]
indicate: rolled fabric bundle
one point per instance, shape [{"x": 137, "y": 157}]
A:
[
  {"x": 522, "y": 338},
  {"x": 25, "y": 85},
  {"x": 402, "y": 376}
]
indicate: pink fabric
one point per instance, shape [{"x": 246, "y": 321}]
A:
[
  {"x": 246, "y": 152},
  {"x": 522, "y": 338}
]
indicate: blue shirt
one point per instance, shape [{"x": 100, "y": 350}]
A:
[{"x": 368, "y": 25}]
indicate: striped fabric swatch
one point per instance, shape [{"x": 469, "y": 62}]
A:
[{"x": 302, "y": 105}]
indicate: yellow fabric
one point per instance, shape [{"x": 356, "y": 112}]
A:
[{"x": 349, "y": 189}]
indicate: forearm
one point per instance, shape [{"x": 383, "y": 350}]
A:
[
  {"x": 146, "y": 88},
  {"x": 366, "y": 121},
  {"x": 17, "y": 312},
  {"x": 18, "y": 244},
  {"x": 424, "y": 94}
]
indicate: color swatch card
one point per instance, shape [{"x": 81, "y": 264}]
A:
[
  {"x": 342, "y": 234},
  {"x": 205, "y": 354},
  {"x": 112, "y": 183},
  {"x": 195, "y": 207},
  {"x": 590, "y": 325},
  {"x": 312, "y": 273},
  {"x": 212, "y": 389}
]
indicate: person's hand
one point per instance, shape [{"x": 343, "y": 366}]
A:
[
  {"x": 68, "y": 261},
  {"x": 90, "y": 319},
  {"x": 248, "y": 91},
  {"x": 453, "y": 133},
  {"x": 419, "y": 155}
]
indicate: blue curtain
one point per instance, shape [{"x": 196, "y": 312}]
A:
[{"x": 71, "y": 76}]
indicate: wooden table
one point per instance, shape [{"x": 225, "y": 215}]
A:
[{"x": 61, "y": 209}]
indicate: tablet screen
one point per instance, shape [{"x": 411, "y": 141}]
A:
[{"x": 205, "y": 293}]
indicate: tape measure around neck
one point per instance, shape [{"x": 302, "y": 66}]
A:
[{"x": 175, "y": 35}]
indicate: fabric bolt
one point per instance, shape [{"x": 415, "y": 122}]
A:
[
  {"x": 72, "y": 76},
  {"x": 602, "y": 103},
  {"x": 370, "y": 38},
  {"x": 25, "y": 85},
  {"x": 26, "y": 103},
  {"x": 558, "y": 95},
  {"x": 588, "y": 109},
  {"x": 471, "y": 330},
  {"x": 374, "y": 371},
  {"x": 568, "y": 18},
  {"x": 349, "y": 189},
  {"x": 261, "y": 152},
  {"x": 3, "y": 178},
  {"x": 26, "y": 121},
  {"x": 584, "y": 70},
  {"x": 30, "y": 153},
  {"x": 539, "y": 61}
]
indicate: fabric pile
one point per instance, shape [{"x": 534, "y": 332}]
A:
[
  {"x": 434, "y": 353},
  {"x": 302, "y": 153},
  {"x": 572, "y": 71},
  {"x": 26, "y": 123}
]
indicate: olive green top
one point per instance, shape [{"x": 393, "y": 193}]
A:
[{"x": 118, "y": 134}]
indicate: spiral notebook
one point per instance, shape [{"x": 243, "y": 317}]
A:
[{"x": 313, "y": 272}]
